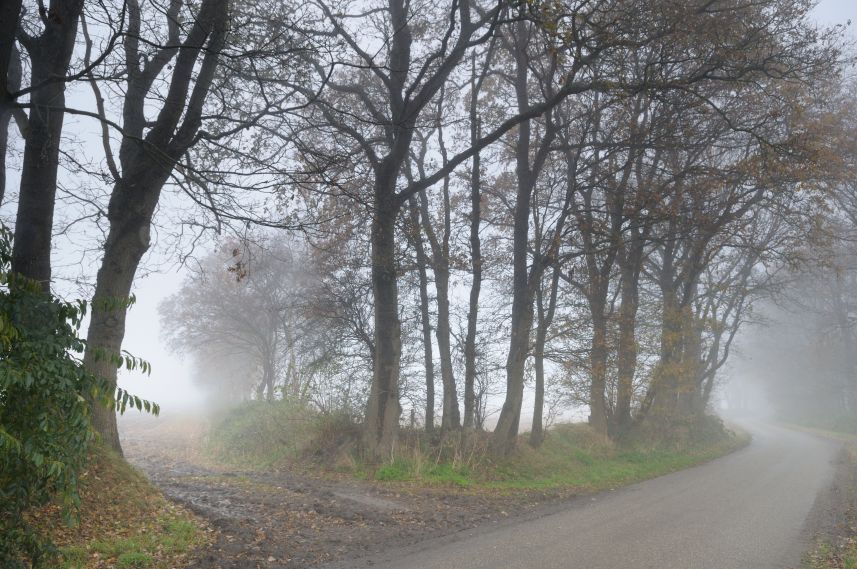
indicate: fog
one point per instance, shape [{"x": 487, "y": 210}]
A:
[
  {"x": 338, "y": 276},
  {"x": 748, "y": 382},
  {"x": 796, "y": 360},
  {"x": 771, "y": 353}
]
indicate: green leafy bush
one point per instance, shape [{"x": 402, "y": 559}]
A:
[{"x": 44, "y": 408}]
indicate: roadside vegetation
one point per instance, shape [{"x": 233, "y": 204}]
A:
[
  {"x": 839, "y": 550},
  {"x": 122, "y": 522},
  {"x": 573, "y": 456},
  {"x": 56, "y": 486}
]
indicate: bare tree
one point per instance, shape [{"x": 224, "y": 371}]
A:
[{"x": 250, "y": 299}]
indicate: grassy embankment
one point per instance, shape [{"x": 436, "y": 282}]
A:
[
  {"x": 839, "y": 552},
  {"x": 573, "y": 457},
  {"x": 124, "y": 522}
]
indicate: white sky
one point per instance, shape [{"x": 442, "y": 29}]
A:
[
  {"x": 832, "y": 12},
  {"x": 170, "y": 383}
]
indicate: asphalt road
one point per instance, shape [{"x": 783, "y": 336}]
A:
[{"x": 747, "y": 510}]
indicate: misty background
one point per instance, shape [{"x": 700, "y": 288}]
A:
[{"x": 774, "y": 349}]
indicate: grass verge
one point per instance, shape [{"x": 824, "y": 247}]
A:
[
  {"x": 839, "y": 552},
  {"x": 124, "y": 522},
  {"x": 572, "y": 458}
]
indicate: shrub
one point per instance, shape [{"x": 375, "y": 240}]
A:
[
  {"x": 332, "y": 438},
  {"x": 44, "y": 409},
  {"x": 677, "y": 433},
  {"x": 260, "y": 433}
]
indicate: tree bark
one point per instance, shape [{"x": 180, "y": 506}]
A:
[
  {"x": 663, "y": 393},
  {"x": 545, "y": 319},
  {"x": 475, "y": 255},
  {"x": 10, "y": 15},
  {"x": 598, "y": 364},
  {"x": 630, "y": 266},
  {"x": 383, "y": 408},
  {"x": 690, "y": 394},
  {"x": 12, "y": 83},
  {"x": 523, "y": 293},
  {"x": 425, "y": 317},
  {"x": 50, "y": 54},
  {"x": 451, "y": 417},
  {"x": 10, "y": 77},
  {"x": 524, "y": 279},
  {"x": 475, "y": 290},
  {"x": 127, "y": 242},
  {"x": 537, "y": 430}
]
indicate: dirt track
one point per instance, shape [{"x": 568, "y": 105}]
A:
[{"x": 288, "y": 519}]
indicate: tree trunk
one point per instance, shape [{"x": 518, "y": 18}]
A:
[
  {"x": 506, "y": 431},
  {"x": 12, "y": 83},
  {"x": 665, "y": 386},
  {"x": 523, "y": 292},
  {"x": 598, "y": 363},
  {"x": 537, "y": 432},
  {"x": 10, "y": 15},
  {"x": 49, "y": 54},
  {"x": 708, "y": 378},
  {"x": 690, "y": 394},
  {"x": 130, "y": 218},
  {"x": 473, "y": 307},
  {"x": 425, "y": 317},
  {"x": 451, "y": 415},
  {"x": 631, "y": 264},
  {"x": 451, "y": 418},
  {"x": 544, "y": 322},
  {"x": 269, "y": 375},
  {"x": 10, "y": 77},
  {"x": 383, "y": 409},
  {"x": 147, "y": 163},
  {"x": 476, "y": 282}
]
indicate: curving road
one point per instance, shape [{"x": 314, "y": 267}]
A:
[{"x": 748, "y": 510}]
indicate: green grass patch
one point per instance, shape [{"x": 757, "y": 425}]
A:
[
  {"x": 573, "y": 457},
  {"x": 448, "y": 474},
  {"x": 409, "y": 470},
  {"x": 397, "y": 470},
  {"x": 154, "y": 548},
  {"x": 133, "y": 560}
]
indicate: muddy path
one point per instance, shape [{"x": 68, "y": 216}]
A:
[{"x": 282, "y": 518}]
